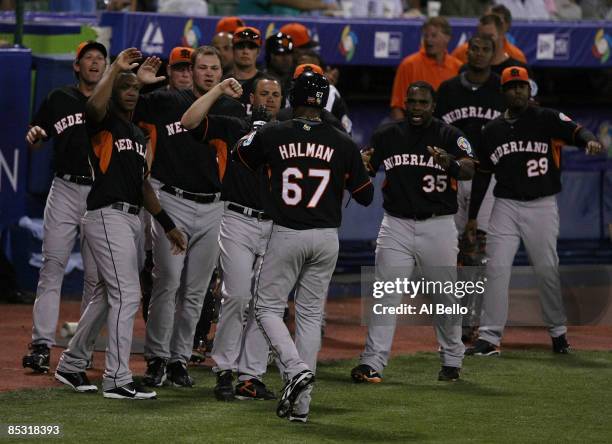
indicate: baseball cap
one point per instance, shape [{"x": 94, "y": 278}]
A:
[
  {"x": 180, "y": 54},
  {"x": 300, "y": 35},
  {"x": 306, "y": 67},
  {"x": 247, "y": 34},
  {"x": 279, "y": 43},
  {"x": 514, "y": 74},
  {"x": 229, "y": 24},
  {"x": 85, "y": 46}
]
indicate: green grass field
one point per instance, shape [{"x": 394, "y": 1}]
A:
[{"x": 521, "y": 397}]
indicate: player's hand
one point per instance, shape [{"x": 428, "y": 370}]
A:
[
  {"x": 231, "y": 87},
  {"x": 177, "y": 240},
  {"x": 260, "y": 115},
  {"x": 594, "y": 147},
  {"x": 128, "y": 59},
  {"x": 35, "y": 135},
  {"x": 366, "y": 156},
  {"x": 441, "y": 157},
  {"x": 147, "y": 72}
]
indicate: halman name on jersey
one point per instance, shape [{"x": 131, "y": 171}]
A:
[
  {"x": 129, "y": 144},
  {"x": 68, "y": 121},
  {"x": 410, "y": 159},
  {"x": 175, "y": 128},
  {"x": 306, "y": 150},
  {"x": 467, "y": 112},
  {"x": 518, "y": 147}
]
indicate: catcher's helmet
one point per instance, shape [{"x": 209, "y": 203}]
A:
[{"x": 309, "y": 89}]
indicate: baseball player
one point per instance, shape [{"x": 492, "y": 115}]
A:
[
  {"x": 423, "y": 158},
  {"x": 246, "y": 46},
  {"x": 522, "y": 148},
  {"x": 188, "y": 177},
  {"x": 310, "y": 164},
  {"x": 468, "y": 102},
  {"x": 61, "y": 117},
  {"x": 112, "y": 227},
  {"x": 279, "y": 60},
  {"x": 245, "y": 229}
]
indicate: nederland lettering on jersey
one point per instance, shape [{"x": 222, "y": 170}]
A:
[
  {"x": 468, "y": 112},
  {"x": 519, "y": 146},
  {"x": 411, "y": 160},
  {"x": 68, "y": 121}
]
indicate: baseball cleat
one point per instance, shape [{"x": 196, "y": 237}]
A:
[
  {"x": 450, "y": 374},
  {"x": 253, "y": 389},
  {"x": 560, "y": 345},
  {"x": 365, "y": 373},
  {"x": 78, "y": 381},
  {"x": 178, "y": 376},
  {"x": 156, "y": 372},
  {"x": 38, "y": 358},
  {"x": 483, "y": 348},
  {"x": 130, "y": 391},
  {"x": 294, "y": 417},
  {"x": 224, "y": 390},
  {"x": 292, "y": 390}
]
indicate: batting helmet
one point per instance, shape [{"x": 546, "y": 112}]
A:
[{"x": 309, "y": 89}]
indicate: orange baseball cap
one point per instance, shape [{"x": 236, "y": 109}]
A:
[
  {"x": 514, "y": 74},
  {"x": 229, "y": 24},
  {"x": 85, "y": 46},
  {"x": 247, "y": 34},
  {"x": 300, "y": 35},
  {"x": 180, "y": 54},
  {"x": 307, "y": 67}
]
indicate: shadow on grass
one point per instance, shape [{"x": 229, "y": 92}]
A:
[
  {"x": 575, "y": 360},
  {"x": 461, "y": 387},
  {"x": 317, "y": 431}
]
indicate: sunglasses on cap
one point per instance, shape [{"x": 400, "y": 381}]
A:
[{"x": 248, "y": 35}]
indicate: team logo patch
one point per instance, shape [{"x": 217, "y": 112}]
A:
[
  {"x": 564, "y": 117},
  {"x": 306, "y": 127},
  {"x": 246, "y": 140},
  {"x": 463, "y": 144}
]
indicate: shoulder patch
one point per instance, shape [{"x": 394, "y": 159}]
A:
[
  {"x": 564, "y": 117},
  {"x": 246, "y": 140},
  {"x": 463, "y": 144}
]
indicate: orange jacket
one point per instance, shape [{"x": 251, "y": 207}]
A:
[{"x": 460, "y": 52}]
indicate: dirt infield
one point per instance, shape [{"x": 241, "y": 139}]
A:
[{"x": 344, "y": 339}]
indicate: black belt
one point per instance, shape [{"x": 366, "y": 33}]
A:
[
  {"x": 259, "y": 215},
  {"x": 417, "y": 216},
  {"x": 199, "y": 198},
  {"x": 126, "y": 207},
  {"x": 79, "y": 180}
]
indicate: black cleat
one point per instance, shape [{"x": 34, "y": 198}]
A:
[
  {"x": 156, "y": 372},
  {"x": 365, "y": 373},
  {"x": 450, "y": 374},
  {"x": 38, "y": 358},
  {"x": 482, "y": 348},
  {"x": 253, "y": 389},
  {"x": 78, "y": 381},
  {"x": 224, "y": 390},
  {"x": 292, "y": 390},
  {"x": 560, "y": 345},
  {"x": 178, "y": 376},
  {"x": 130, "y": 391}
]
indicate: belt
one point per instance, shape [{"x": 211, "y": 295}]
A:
[
  {"x": 126, "y": 207},
  {"x": 79, "y": 180},
  {"x": 259, "y": 215},
  {"x": 196, "y": 197},
  {"x": 417, "y": 216}
]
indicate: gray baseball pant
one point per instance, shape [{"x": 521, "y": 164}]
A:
[
  {"x": 66, "y": 204},
  {"x": 113, "y": 238},
  {"x": 306, "y": 259},
  {"x": 536, "y": 223},
  {"x": 401, "y": 244},
  {"x": 464, "y": 190},
  {"x": 242, "y": 243},
  {"x": 180, "y": 281}
]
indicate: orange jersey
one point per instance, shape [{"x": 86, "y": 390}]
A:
[
  {"x": 417, "y": 67},
  {"x": 460, "y": 52}
]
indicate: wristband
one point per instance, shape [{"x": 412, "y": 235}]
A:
[
  {"x": 164, "y": 220},
  {"x": 453, "y": 169}
]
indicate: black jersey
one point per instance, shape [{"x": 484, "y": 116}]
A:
[
  {"x": 525, "y": 154},
  {"x": 415, "y": 186},
  {"x": 240, "y": 184},
  {"x": 62, "y": 116},
  {"x": 179, "y": 160},
  {"x": 117, "y": 161},
  {"x": 311, "y": 163},
  {"x": 247, "y": 90},
  {"x": 470, "y": 107},
  {"x": 326, "y": 116}
]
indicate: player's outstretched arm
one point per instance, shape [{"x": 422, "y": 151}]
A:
[
  {"x": 97, "y": 104},
  {"x": 152, "y": 205},
  {"x": 462, "y": 169},
  {"x": 199, "y": 109}
]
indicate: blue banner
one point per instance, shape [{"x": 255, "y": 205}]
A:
[
  {"x": 373, "y": 42},
  {"x": 15, "y": 68}
]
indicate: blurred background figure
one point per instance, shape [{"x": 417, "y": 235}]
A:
[{"x": 279, "y": 59}]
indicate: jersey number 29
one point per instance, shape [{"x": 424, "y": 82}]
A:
[
  {"x": 292, "y": 192},
  {"x": 537, "y": 167}
]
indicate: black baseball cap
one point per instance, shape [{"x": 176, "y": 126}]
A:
[
  {"x": 279, "y": 43},
  {"x": 87, "y": 45}
]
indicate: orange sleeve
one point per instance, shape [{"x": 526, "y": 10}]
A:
[
  {"x": 151, "y": 130},
  {"x": 403, "y": 78},
  {"x": 221, "y": 148},
  {"x": 460, "y": 52},
  {"x": 515, "y": 52},
  {"x": 102, "y": 144}
]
